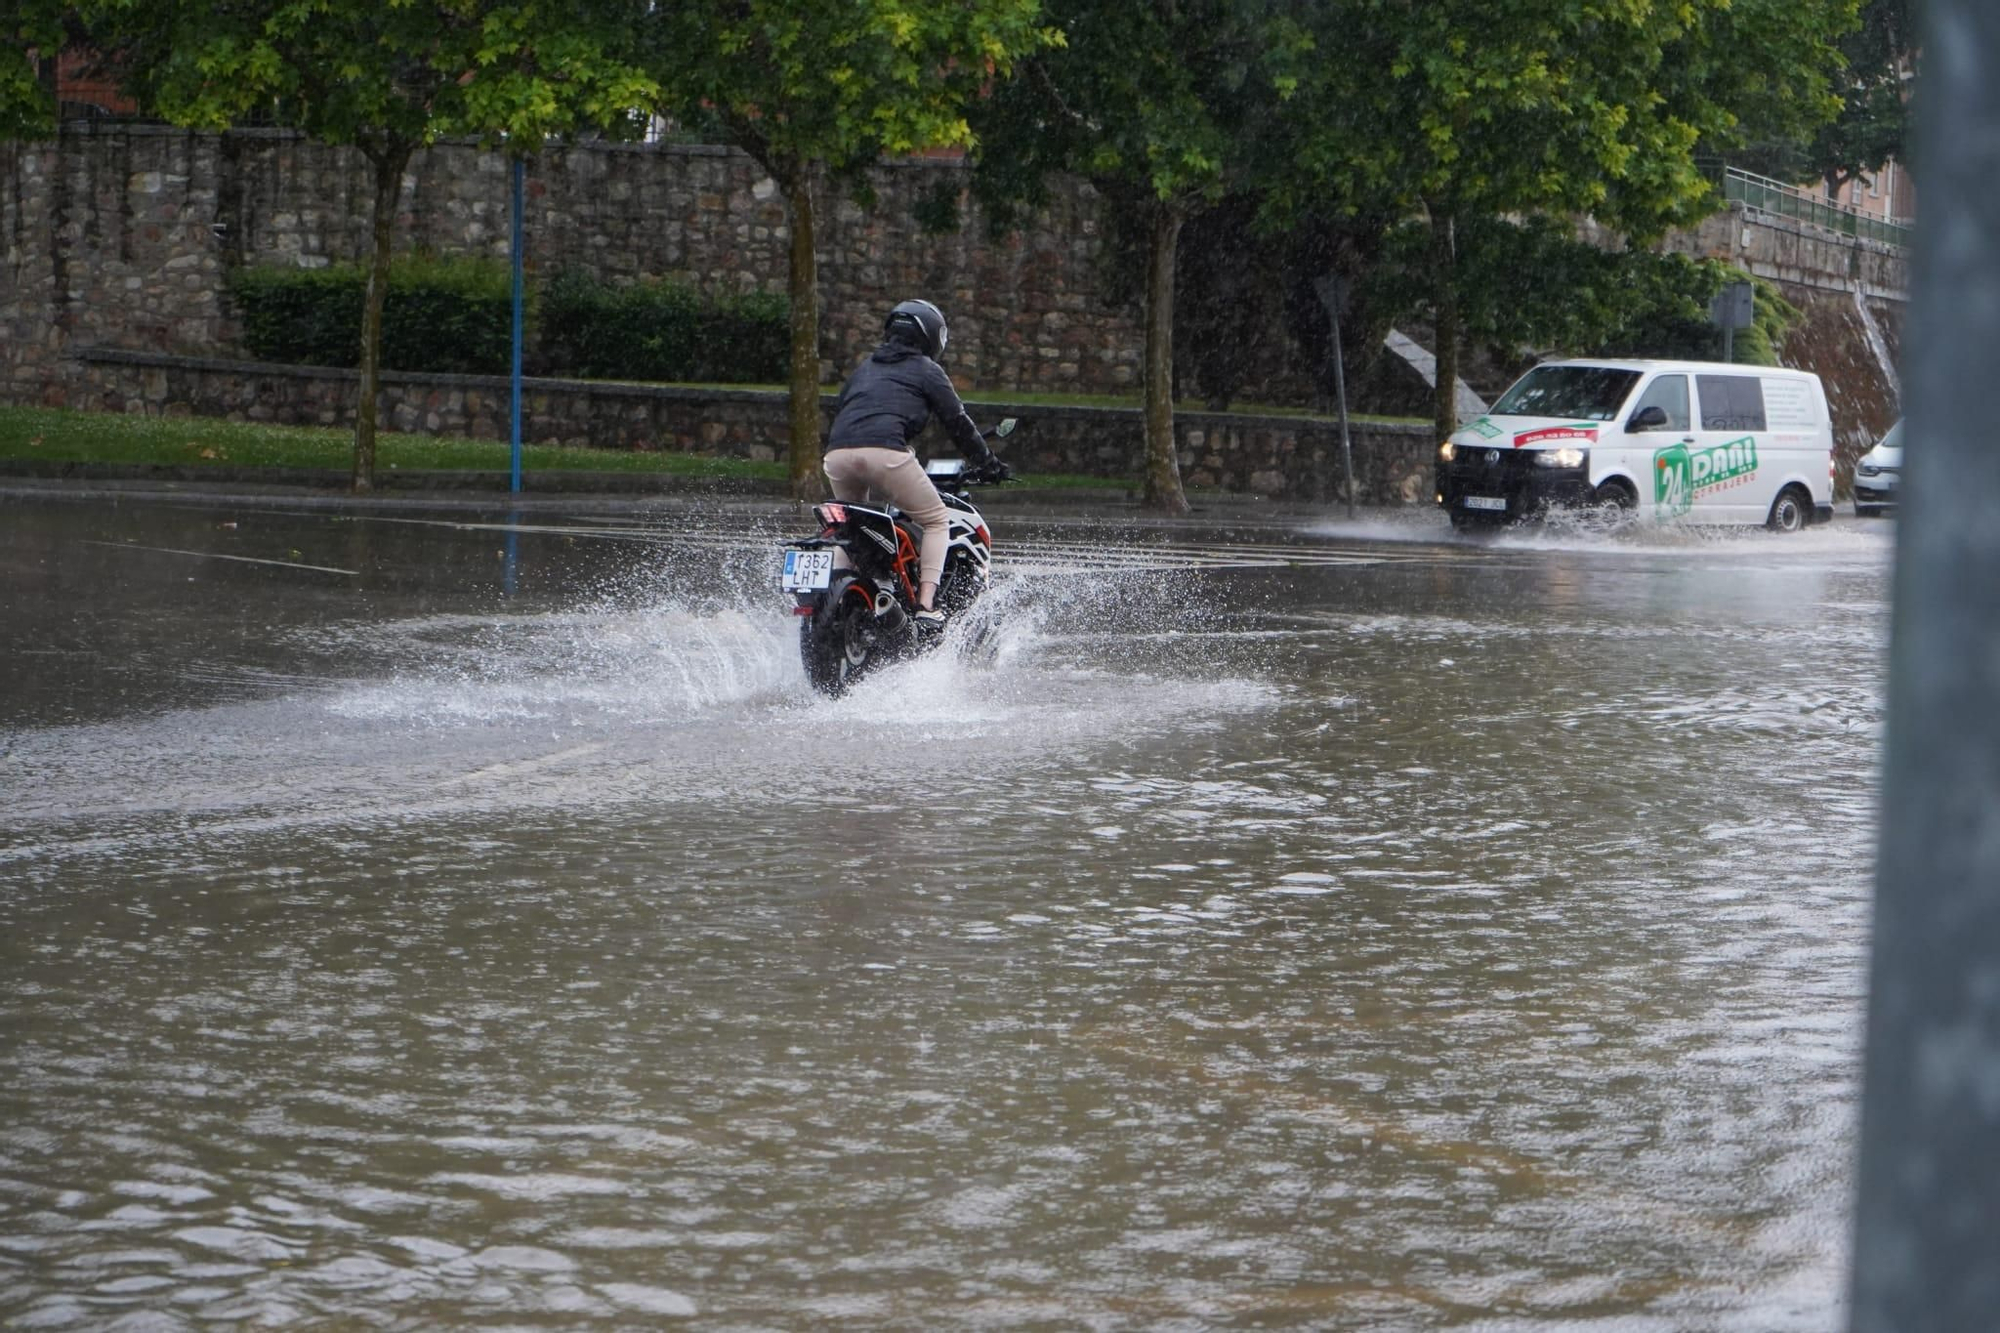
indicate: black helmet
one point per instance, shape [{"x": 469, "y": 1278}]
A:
[{"x": 922, "y": 324}]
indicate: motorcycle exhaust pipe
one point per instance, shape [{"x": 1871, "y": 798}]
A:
[{"x": 889, "y": 614}]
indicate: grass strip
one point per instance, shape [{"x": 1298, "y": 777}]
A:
[{"x": 66, "y": 435}]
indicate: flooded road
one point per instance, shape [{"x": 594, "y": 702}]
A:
[{"x": 413, "y": 917}]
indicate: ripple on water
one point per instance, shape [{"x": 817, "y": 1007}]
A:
[{"x": 1500, "y": 952}]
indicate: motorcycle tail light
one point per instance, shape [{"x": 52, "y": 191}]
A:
[
  {"x": 985, "y": 538},
  {"x": 831, "y": 514}
]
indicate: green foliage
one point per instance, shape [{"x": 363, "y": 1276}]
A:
[
  {"x": 452, "y": 316},
  {"x": 455, "y": 316},
  {"x": 1553, "y": 109},
  {"x": 836, "y": 83},
  {"x": 936, "y": 209},
  {"x": 1875, "y": 114},
  {"x": 1531, "y": 288},
  {"x": 351, "y": 71},
  {"x": 809, "y": 87},
  {"x": 31, "y": 32},
  {"x": 1772, "y": 315},
  {"x": 662, "y": 330},
  {"x": 1554, "y": 106},
  {"x": 385, "y": 78},
  {"x": 1153, "y": 103}
]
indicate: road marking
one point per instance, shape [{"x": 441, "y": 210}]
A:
[
  {"x": 519, "y": 767},
  {"x": 217, "y": 555},
  {"x": 1028, "y": 555}
]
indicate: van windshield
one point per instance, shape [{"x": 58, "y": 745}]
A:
[
  {"x": 1589, "y": 393},
  {"x": 1893, "y": 440}
]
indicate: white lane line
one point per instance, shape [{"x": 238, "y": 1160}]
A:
[
  {"x": 519, "y": 767},
  {"x": 216, "y": 555}
]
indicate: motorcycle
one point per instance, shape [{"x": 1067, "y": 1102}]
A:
[{"x": 855, "y": 583}]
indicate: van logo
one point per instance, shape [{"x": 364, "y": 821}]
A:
[
  {"x": 1582, "y": 430},
  {"x": 1724, "y": 466},
  {"x": 1492, "y": 455},
  {"x": 1681, "y": 474}
]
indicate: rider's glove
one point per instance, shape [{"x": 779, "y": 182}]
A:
[{"x": 990, "y": 471}]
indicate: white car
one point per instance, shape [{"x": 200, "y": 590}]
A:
[{"x": 1878, "y": 476}]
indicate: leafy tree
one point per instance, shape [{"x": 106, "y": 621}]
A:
[
  {"x": 814, "y": 89},
  {"x": 31, "y": 35},
  {"x": 1532, "y": 288},
  {"x": 1153, "y": 104},
  {"x": 386, "y": 78},
  {"x": 1453, "y": 113},
  {"x": 1873, "y": 126}
]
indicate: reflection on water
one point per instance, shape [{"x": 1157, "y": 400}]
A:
[{"x": 1284, "y": 927}]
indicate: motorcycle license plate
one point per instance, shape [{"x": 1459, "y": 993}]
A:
[
  {"x": 1484, "y": 502},
  {"x": 807, "y": 570}
]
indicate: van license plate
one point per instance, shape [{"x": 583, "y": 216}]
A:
[
  {"x": 1484, "y": 502},
  {"x": 807, "y": 570}
]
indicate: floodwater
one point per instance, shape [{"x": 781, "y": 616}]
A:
[{"x": 417, "y": 917}]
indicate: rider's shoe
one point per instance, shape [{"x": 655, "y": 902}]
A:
[{"x": 928, "y": 622}]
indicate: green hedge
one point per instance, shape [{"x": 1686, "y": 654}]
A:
[
  {"x": 455, "y": 316},
  {"x": 663, "y": 330},
  {"x": 452, "y": 316}
]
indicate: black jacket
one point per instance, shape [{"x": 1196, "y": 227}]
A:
[{"x": 890, "y": 398}]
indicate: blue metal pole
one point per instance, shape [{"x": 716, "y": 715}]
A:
[{"x": 520, "y": 188}]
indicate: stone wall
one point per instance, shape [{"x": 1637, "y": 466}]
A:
[
  {"x": 1274, "y": 456},
  {"x": 144, "y": 221},
  {"x": 118, "y": 237},
  {"x": 1797, "y": 254},
  {"x": 31, "y": 341}
]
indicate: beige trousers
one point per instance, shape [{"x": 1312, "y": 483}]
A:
[{"x": 894, "y": 475}]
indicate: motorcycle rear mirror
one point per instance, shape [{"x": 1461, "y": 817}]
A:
[{"x": 1006, "y": 426}]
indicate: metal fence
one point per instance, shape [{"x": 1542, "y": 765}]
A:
[{"x": 1776, "y": 197}]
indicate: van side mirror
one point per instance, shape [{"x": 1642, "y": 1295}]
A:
[{"x": 1652, "y": 417}]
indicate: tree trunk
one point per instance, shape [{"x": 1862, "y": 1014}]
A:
[
  {"x": 1444, "y": 303},
  {"x": 47, "y": 67},
  {"x": 1163, "y": 492},
  {"x": 808, "y": 481},
  {"x": 389, "y": 161}
]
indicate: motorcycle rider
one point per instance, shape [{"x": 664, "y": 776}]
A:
[{"x": 885, "y": 403}]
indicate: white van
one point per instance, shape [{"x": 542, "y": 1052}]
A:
[{"x": 1693, "y": 441}]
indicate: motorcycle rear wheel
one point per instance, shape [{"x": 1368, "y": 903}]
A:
[{"x": 837, "y": 643}]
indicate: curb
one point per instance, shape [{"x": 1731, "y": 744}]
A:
[
  {"x": 391, "y": 480},
  {"x": 494, "y": 486}
]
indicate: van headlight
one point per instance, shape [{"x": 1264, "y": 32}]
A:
[
  {"x": 1567, "y": 456},
  {"x": 1446, "y": 452}
]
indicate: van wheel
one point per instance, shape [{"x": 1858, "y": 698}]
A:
[
  {"x": 1790, "y": 512},
  {"x": 1614, "y": 499}
]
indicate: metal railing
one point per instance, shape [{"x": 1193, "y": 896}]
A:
[{"x": 1776, "y": 197}]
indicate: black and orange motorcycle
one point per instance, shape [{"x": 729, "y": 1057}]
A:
[{"x": 855, "y": 584}]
